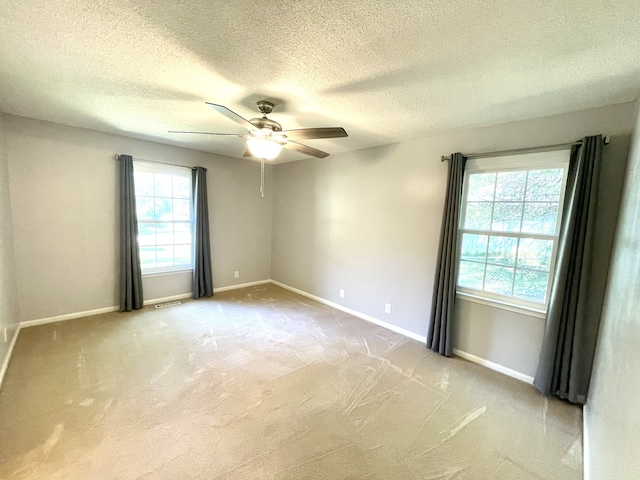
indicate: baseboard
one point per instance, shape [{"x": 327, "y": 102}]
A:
[
  {"x": 215, "y": 290},
  {"x": 241, "y": 285},
  {"x": 182, "y": 296},
  {"x": 153, "y": 301},
  {"x": 493, "y": 366},
  {"x": 7, "y": 357},
  {"x": 355, "y": 313},
  {"x": 586, "y": 447},
  {"x": 67, "y": 316}
]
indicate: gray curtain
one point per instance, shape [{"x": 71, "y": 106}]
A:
[
  {"x": 444, "y": 288},
  {"x": 202, "y": 276},
  {"x": 573, "y": 317},
  {"x": 130, "y": 275}
]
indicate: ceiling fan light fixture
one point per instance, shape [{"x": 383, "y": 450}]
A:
[
  {"x": 266, "y": 138},
  {"x": 264, "y": 147}
]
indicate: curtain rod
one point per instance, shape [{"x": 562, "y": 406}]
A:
[
  {"x": 159, "y": 163},
  {"x": 543, "y": 148}
]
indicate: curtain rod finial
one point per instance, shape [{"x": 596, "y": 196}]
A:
[
  {"x": 444, "y": 158},
  {"x": 607, "y": 139}
]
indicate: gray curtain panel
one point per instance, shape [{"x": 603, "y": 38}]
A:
[
  {"x": 444, "y": 288},
  {"x": 202, "y": 276},
  {"x": 575, "y": 306},
  {"x": 130, "y": 275}
]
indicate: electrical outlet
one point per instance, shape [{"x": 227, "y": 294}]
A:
[
  {"x": 387, "y": 308},
  {"x": 342, "y": 293},
  {"x": 236, "y": 274}
]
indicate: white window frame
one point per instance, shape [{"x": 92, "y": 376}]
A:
[
  {"x": 176, "y": 171},
  {"x": 529, "y": 161}
]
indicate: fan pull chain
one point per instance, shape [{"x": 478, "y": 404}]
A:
[{"x": 262, "y": 178}]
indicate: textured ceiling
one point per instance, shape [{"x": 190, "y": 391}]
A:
[{"x": 385, "y": 70}]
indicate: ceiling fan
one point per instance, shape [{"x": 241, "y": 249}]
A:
[{"x": 265, "y": 137}]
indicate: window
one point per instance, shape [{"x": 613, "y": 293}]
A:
[
  {"x": 165, "y": 218},
  {"x": 510, "y": 222}
]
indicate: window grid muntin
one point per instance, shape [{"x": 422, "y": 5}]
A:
[
  {"x": 154, "y": 170},
  {"x": 514, "y": 266},
  {"x": 556, "y": 163}
]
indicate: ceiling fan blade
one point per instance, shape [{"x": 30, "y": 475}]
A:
[
  {"x": 298, "y": 147},
  {"x": 313, "y": 133},
  {"x": 231, "y": 115},
  {"x": 212, "y": 133}
]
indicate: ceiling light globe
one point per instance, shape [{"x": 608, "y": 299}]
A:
[{"x": 264, "y": 148}]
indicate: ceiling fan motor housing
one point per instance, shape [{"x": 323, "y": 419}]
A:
[
  {"x": 265, "y": 109},
  {"x": 265, "y": 122}
]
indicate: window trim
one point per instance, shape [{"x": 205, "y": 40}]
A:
[
  {"x": 176, "y": 271},
  {"x": 522, "y": 310},
  {"x": 520, "y": 162},
  {"x": 178, "y": 171}
]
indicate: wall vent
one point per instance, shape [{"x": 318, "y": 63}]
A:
[{"x": 168, "y": 304}]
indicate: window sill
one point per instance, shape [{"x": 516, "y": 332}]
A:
[
  {"x": 166, "y": 272},
  {"x": 530, "y": 312}
]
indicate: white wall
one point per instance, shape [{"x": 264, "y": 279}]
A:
[
  {"x": 369, "y": 222},
  {"x": 612, "y": 414},
  {"x": 65, "y": 217},
  {"x": 8, "y": 303}
]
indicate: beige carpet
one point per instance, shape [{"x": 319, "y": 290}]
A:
[{"x": 261, "y": 383}]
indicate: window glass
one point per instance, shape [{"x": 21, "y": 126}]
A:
[
  {"x": 509, "y": 230},
  {"x": 165, "y": 217}
]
